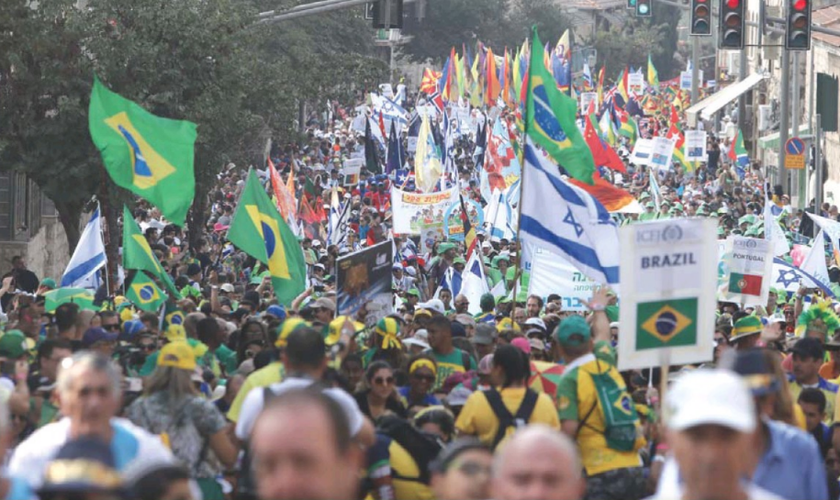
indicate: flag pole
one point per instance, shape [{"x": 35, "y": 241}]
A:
[{"x": 107, "y": 213}]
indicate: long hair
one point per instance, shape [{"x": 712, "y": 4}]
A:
[{"x": 176, "y": 382}]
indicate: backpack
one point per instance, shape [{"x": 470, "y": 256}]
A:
[
  {"x": 422, "y": 447},
  {"x": 506, "y": 420},
  {"x": 618, "y": 410}
]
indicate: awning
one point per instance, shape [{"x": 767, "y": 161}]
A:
[
  {"x": 771, "y": 141},
  {"x": 706, "y": 108}
]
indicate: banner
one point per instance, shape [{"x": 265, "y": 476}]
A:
[
  {"x": 551, "y": 274},
  {"x": 695, "y": 145},
  {"x": 363, "y": 278},
  {"x": 412, "y": 211},
  {"x": 663, "y": 149},
  {"x": 585, "y": 99},
  {"x": 636, "y": 84},
  {"x": 747, "y": 267},
  {"x": 453, "y": 227},
  {"x": 670, "y": 268},
  {"x": 685, "y": 79},
  {"x": 429, "y": 234},
  {"x": 642, "y": 152}
]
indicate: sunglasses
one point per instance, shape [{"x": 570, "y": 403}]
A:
[
  {"x": 424, "y": 378},
  {"x": 471, "y": 468},
  {"x": 19, "y": 416},
  {"x": 148, "y": 347},
  {"x": 383, "y": 381}
]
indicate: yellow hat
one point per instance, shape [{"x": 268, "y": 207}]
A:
[
  {"x": 126, "y": 314},
  {"x": 508, "y": 324},
  {"x": 118, "y": 300},
  {"x": 177, "y": 355},
  {"x": 175, "y": 333},
  {"x": 337, "y": 325},
  {"x": 288, "y": 326}
]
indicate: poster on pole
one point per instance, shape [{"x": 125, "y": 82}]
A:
[
  {"x": 695, "y": 145},
  {"x": 747, "y": 268},
  {"x": 363, "y": 279},
  {"x": 663, "y": 149},
  {"x": 350, "y": 172},
  {"x": 636, "y": 83},
  {"x": 642, "y": 152},
  {"x": 585, "y": 99},
  {"x": 412, "y": 211},
  {"x": 551, "y": 274},
  {"x": 671, "y": 268},
  {"x": 685, "y": 79}
]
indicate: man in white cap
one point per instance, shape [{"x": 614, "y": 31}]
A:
[{"x": 710, "y": 419}]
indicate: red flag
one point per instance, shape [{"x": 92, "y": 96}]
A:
[
  {"x": 382, "y": 126},
  {"x": 493, "y": 85},
  {"x": 602, "y": 153},
  {"x": 674, "y": 132},
  {"x": 429, "y": 83},
  {"x": 613, "y": 198}
]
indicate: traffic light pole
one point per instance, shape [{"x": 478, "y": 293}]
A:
[
  {"x": 802, "y": 176},
  {"x": 818, "y": 163},
  {"x": 695, "y": 69},
  {"x": 784, "y": 122}
]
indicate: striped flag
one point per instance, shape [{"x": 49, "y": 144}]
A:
[{"x": 469, "y": 230}]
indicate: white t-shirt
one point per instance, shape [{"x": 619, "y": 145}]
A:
[
  {"x": 669, "y": 485},
  {"x": 128, "y": 444},
  {"x": 253, "y": 405}
]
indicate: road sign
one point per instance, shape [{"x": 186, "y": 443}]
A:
[{"x": 795, "y": 154}]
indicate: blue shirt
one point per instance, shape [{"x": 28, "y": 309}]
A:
[
  {"x": 792, "y": 466},
  {"x": 428, "y": 399}
]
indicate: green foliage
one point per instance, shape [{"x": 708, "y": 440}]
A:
[
  {"x": 667, "y": 15},
  {"x": 629, "y": 45}
]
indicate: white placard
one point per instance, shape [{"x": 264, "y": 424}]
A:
[
  {"x": 747, "y": 267},
  {"x": 642, "y": 152},
  {"x": 551, "y": 274},
  {"x": 585, "y": 99},
  {"x": 413, "y": 211},
  {"x": 663, "y": 149},
  {"x": 636, "y": 84},
  {"x": 670, "y": 266},
  {"x": 695, "y": 145},
  {"x": 685, "y": 79}
]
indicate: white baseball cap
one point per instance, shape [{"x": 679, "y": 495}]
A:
[
  {"x": 716, "y": 397},
  {"x": 435, "y": 305}
]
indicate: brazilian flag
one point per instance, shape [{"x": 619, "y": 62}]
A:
[
  {"x": 258, "y": 230},
  {"x": 148, "y": 155},
  {"x": 172, "y": 315},
  {"x": 550, "y": 119},
  {"x": 666, "y": 323},
  {"x": 144, "y": 294},
  {"x": 137, "y": 254}
]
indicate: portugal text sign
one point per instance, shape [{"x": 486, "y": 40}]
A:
[
  {"x": 670, "y": 268},
  {"x": 748, "y": 264}
]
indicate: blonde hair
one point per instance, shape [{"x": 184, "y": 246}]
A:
[{"x": 177, "y": 382}]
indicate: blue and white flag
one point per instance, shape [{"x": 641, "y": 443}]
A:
[
  {"x": 474, "y": 283},
  {"x": 339, "y": 218},
  {"x": 576, "y": 227},
  {"x": 88, "y": 257},
  {"x": 791, "y": 278}
]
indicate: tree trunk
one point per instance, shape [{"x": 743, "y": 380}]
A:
[
  {"x": 70, "y": 213},
  {"x": 196, "y": 216}
]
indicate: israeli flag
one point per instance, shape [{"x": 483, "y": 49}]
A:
[
  {"x": 577, "y": 227},
  {"x": 474, "y": 283},
  {"x": 89, "y": 256}
]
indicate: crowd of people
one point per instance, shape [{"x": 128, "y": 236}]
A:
[{"x": 228, "y": 393}]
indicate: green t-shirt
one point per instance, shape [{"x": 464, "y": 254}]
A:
[
  {"x": 451, "y": 363},
  {"x": 227, "y": 358}
]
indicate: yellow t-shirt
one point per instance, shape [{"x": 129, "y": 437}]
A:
[
  {"x": 576, "y": 396},
  {"x": 265, "y": 376},
  {"x": 828, "y": 389},
  {"x": 477, "y": 417},
  {"x": 403, "y": 465}
]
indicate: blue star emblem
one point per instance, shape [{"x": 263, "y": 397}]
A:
[
  {"x": 570, "y": 219},
  {"x": 787, "y": 277}
]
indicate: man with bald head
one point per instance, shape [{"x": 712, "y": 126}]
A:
[{"x": 538, "y": 462}]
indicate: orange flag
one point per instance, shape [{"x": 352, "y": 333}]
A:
[{"x": 493, "y": 85}]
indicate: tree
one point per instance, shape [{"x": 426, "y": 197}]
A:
[{"x": 628, "y": 45}]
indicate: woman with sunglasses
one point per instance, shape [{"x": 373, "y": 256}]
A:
[
  {"x": 422, "y": 372},
  {"x": 380, "y": 396}
]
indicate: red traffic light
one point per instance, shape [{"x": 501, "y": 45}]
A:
[
  {"x": 800, "y": 4},
  {"x": 733, "y": 4}
]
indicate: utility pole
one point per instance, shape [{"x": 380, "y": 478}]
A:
[
  {"x": 818, "y": 164},
  {"x": 801, "y": 178},
  {"x": 695, "y": 70},
  {"x": 784, "y": 122}
]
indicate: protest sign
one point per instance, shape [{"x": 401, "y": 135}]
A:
[
  {"x": 585, "y": 99},
  {"x": 669, "y": 268},
  {"x": 429, "y": 234},
  {"x": 642, "y": 152},
  {"x": 363, "y": 278},
  {"x": 663, "y": 149},
  {"x": 350, "y": 172},
  {"x": 748, "y": 263},
  {"x": 411, "y": 211},
  {"x": 636, "y": 83},
  {"x": 695, "y": 145},
  {"x": 551, "y": 274},
  {"x": 453, "y": 226}
]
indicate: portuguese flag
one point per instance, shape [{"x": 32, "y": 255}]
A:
[{"x": 745, "y": 284}]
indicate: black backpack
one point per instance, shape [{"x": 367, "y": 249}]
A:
[
  {"x": 506, "y": 420},
  {"x": 422, "y": 447}
]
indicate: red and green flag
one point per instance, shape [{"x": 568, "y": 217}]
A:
[{"x": 745, "y": 284}]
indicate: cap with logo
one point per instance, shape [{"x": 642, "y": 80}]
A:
[{"x": 177, "y": 355}]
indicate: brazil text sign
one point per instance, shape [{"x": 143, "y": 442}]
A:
[{"x": 670, "y": 267}]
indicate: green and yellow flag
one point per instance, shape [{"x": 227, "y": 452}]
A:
[
  {"x": 148, "y": 155},
  {"x": 137, "y": 254},
  {"x": 258, "y": 230},
  {"x": 666, "y": 323},
  {"x": 144, "y": 294},
  {"x": 652, "y": 74}
]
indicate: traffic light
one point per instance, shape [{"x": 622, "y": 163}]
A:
[
  {"x": 643, "y": 8},
  {"x": 701, "y": 17},
  {"x": 631, "y": 4},
  {"x": 388, "y": 14},
  {"x": 798, "y": 29},
  {"x": 732, "y": 24}
]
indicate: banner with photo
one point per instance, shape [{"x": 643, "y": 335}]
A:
[
  {"x": 363, "y": 279},
  {"x": 413, "y": 211},
  {"x": 453, "y": 227}
]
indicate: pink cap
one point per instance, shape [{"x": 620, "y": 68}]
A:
[{"x": 522, "y": 344}]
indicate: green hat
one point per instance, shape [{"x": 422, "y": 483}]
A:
[
  {"x": 443, "y": 247},
  {"x": 413, "y": 291},
  {"x": 713, "y": 215},
  {"x": 49, "y": 283},
  {"x": 498, "y": 258},
  {"x": 721, "y": 231},
  {"x": 645, "y": 195},
  {"x": 678, "y": 206},
  {"x": 13, "y": 344},
  {"x": 487, "y": 302},
  {"x": 665, "y": 202},
  {"x": 649, "y": 205},
  {"x": 459, "y": 260},
  {"x": 701, "y": 212},
  {"x": 748, "y": 325},
  {"x": 570, "y": 327}
]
